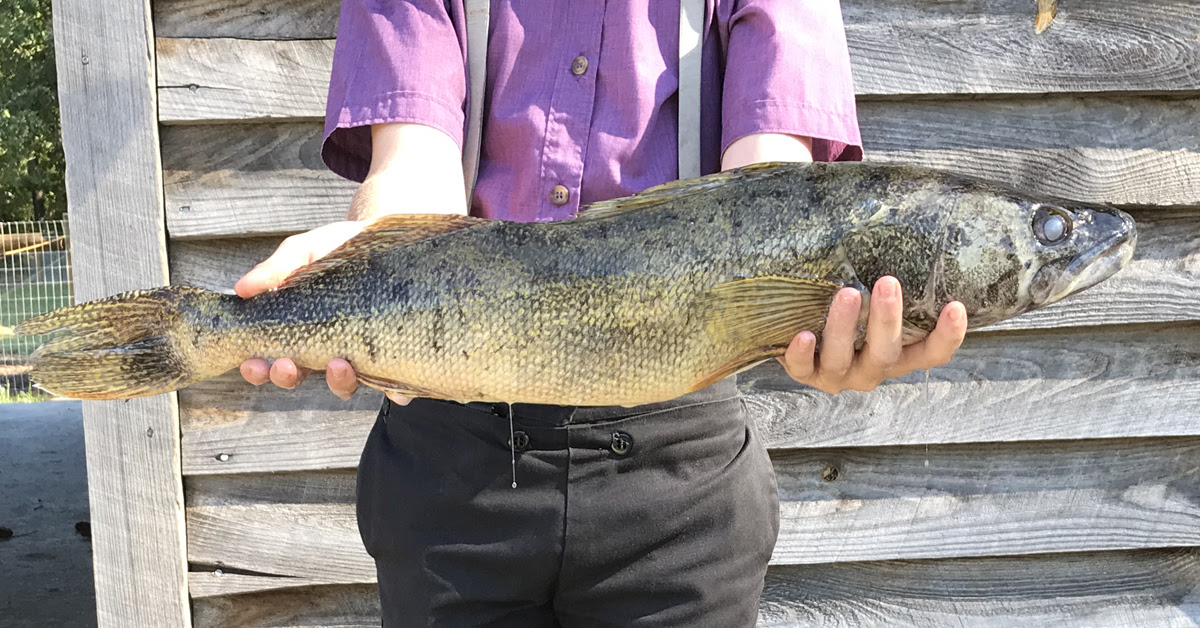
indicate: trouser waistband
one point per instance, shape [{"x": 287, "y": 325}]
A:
[{"x": 574, "y": 415}]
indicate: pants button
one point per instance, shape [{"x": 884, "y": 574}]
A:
[
  {"x": 622, "y": 443},
  {"x": 519, "y": 441}
]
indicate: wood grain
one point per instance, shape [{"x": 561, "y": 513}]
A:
[
  {"x": 986, "y": 499},
  {"x": 248, "y": 179},
  {"x": 246, "y": 19},
  {"x": 1141, "y": 588},
  {"x": 1088, "y": 590},
  {"x": 1125, "y": 151},
  {"x": 905, "y": 47},
  {"x": 346, "y": 606},
  {"x": 990, "y": 47},
  {"x": 939, "y": 501},
  {"x": 244, "y": 180},
  {"x": 232, "y": 79},
  {"x": 105, "y": 66},
  {"x": 1003, "y": 387}
]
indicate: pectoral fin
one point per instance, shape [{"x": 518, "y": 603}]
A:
[{"x": 768, "y": 311}]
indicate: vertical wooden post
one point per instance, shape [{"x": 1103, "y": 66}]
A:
[{"x": 106, "y": 88}]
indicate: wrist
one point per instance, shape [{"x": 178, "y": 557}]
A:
[{"x": 764, "y": 147}]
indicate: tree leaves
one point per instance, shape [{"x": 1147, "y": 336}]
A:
[{"x": 31, "y": 157}]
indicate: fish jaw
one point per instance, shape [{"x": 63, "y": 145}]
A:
[{"x": 1093, "y": 266}]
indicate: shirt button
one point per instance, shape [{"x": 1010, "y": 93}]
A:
[
  {"x": 622, "y": 443},
  {"x": 559, "y": 195},
  {"x": 579, "y": 65}
]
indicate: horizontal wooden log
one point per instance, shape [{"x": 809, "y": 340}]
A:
[
  {"x": 1120, "y": 150},
  {"x": 1163, "y": 273},
  {"x": 249, "y": 179},
  {"x": 246, "y": 19},
  {"x": 232, "y": 79},
  {"x": 1004, "y": 387},
  {"x": 346, "y": 606},
  {"x": 1133, "y": 588},
  {"x": 1143, "y": 588},
  {"x": 905, "y": 47},
  {"x": 836, "y": 505},
  {"x": 244, "y": 180}
]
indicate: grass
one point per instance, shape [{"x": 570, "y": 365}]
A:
[{"x": 8, "y": 396}]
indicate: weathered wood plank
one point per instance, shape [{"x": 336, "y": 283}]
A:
[
  {"x": 105, "y": 63},
  {"x": 1125, "y": 150},
  {"x": 246, "y": 19},
  {"x": 249, "y": 179},
  {"x": 231, "y": 79},
  {"x": 989, "y": 47},
  {"x": 1004, "y": 387},
  {"x": 1164, "y": 271},
  {"x": 346, "y": 606},
  {"x": 1143, "y": 588},
  {"x": 1132, "y": 588},
  {"x": 914, "y": 502},
  {"x": 906, "y": 47},
  {"x": 241, "y": 180}
]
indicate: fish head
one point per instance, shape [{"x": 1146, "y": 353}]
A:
[{"x": 1007, "y": 252}]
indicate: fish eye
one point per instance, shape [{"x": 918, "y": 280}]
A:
[{"x": 1051, "y": 225}]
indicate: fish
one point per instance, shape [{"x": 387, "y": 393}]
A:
[{"x": 633, "y": 301}]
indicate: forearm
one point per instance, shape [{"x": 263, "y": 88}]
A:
[
  {"x": 415, "y": 169},
  {"x": 763, "y": 147}
]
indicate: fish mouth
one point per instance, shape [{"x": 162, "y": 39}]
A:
[{"x": 1097, "y": 263}]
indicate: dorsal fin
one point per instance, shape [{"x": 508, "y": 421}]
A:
[
  {"x": 386, "y": 232},
  {"x": 669, "y": 190}
]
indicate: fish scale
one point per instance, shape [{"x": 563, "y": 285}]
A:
[{"x": 634, "y": 301}]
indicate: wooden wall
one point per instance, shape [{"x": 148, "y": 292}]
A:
[{"x": 1049, "y": 476}]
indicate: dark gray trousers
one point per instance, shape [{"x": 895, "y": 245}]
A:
[{"x": 660, "y": 515}]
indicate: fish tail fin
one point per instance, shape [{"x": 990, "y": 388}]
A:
[{"x": 125, "y": 346}]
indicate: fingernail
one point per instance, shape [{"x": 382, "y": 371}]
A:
[{"x": 956, "y": 314}]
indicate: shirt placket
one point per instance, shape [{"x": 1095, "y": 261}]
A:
[{"x": 569, "y": 118}]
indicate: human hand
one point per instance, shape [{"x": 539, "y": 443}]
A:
[
  {"x": 294, "y": 252},
  {"x": 839, "y": 367}
]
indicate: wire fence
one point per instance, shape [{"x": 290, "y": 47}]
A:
[{"x": 35, "y": 277}]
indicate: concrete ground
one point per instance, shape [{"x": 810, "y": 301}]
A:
[{"x": 46, "y": 564}]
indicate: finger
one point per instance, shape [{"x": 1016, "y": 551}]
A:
[
  {"x": 840, "y": 334},
  {"x": 271, "y": 272},
  {"x": 285, "y": 373},
  {"x": 399, "y": 399},
  {"x": 943, "y": 341},
  {"x": 800, "y": 360},
  {"x": 256, "y": 371},
  {"x": 340, "y": 376},
  {"x": 884, "y": 327}
]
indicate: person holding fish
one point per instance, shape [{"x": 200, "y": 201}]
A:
[
  {"x": 577, "y": 452},
  {"x": 652, "y": 516}
]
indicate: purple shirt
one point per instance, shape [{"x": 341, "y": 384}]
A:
[{"x": 779, "y": 66}]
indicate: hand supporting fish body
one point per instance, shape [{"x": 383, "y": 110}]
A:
[{"x": 636, "y": 300}]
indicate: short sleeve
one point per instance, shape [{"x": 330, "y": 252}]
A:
[
  {"x": 394, "y": 61},
  {"x": 788, "y": 71}
]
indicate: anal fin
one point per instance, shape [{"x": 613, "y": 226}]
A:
[{"x": 395, "y": 387}]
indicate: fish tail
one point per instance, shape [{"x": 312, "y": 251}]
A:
[{"x": 125, "y": 346}]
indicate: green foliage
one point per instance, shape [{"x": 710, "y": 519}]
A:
[{"x": 31, "y": 157}]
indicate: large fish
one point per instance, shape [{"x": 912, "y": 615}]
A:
[{"x": 636, "y": 300}]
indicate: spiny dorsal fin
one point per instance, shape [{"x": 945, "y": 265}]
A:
[
  {"x": 768, "y": 311},
  {"x": 386, "y": 232},
  {"x": 669, "y": 190}
]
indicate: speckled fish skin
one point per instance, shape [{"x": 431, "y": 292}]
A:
[{"x": 641, "y": 299}]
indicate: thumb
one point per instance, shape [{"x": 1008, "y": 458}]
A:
[{"x": 272, "y": 271}]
